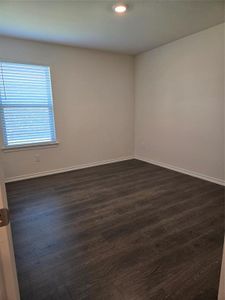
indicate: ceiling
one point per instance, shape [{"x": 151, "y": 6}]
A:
[{"x": 92, "y": 24}]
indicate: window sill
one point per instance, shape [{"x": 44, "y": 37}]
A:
[{"x": 30, "y": 147}]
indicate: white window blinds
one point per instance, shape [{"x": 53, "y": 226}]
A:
[{"x": 26, "y": 106}]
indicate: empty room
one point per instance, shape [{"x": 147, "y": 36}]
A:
[{"x": 112, "y": 150}]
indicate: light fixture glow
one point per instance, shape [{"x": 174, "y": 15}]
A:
[{"x": 120, "y": 8}]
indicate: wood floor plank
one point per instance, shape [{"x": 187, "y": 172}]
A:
[{"x": 127, "y": 230}]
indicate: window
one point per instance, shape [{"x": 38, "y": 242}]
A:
[{"x": 26, "y": 107}]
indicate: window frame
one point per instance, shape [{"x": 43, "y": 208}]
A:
[{"x": 27, "y": 146}]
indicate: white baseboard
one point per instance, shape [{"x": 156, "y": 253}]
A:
[
  {"x": 108, "y": 161},
  {"x": 63, "y": 170},
  {"x": 181, "y": 170}
]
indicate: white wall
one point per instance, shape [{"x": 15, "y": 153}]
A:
[
  {"x": 179, "y": 103},
  {"x": 93, "y": 98}
]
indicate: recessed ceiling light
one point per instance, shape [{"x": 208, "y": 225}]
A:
[{"x": 119, "y": 8}]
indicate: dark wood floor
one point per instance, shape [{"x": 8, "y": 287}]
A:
[{"x": 123, "y": 231}]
